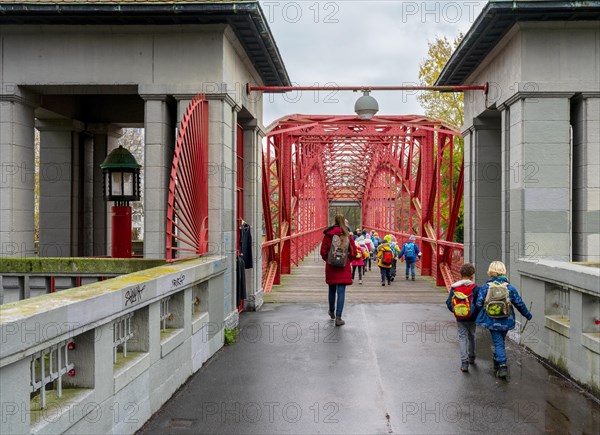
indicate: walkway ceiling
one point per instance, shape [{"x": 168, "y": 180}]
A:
[
  {"x": 496, "y": 19},
  {"x": 245, "y": 18}
]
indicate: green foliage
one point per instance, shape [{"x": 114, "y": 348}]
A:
[
  {"x": 445, "y": 106},
  {"x": 231, "y": 336}
]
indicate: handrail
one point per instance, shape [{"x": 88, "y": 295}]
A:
[{"x": 290, "y": 237}]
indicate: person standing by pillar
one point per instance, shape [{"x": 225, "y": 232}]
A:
[{"x": 338, "y": 273}]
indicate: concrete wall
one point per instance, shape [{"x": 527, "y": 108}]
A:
[
  {"x": 544, "y": 197},
  {"x": 101, "y": 396},
  {"x": 165, "y": 66},
  {"x": 565, "y": 302}
]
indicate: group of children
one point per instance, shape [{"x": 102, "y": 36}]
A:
[
  {"x": 387, "y": 252},
  {"x": 489, "y": 306}
]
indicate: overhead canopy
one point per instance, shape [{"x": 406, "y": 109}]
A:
[
  {"x": 496, "y": 19},
  {"x": 245, "y": 18}
]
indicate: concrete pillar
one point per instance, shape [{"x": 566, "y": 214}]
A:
[
  {"x": 17, "y": 173},
  {"x": 159, "y": 125},
  {"x": 253, "y": 212},
  {"x": 483, "y": 193},
  {"x": 538, "y": 178},
  {"x": 88, "y": 194},
  {"x": 58, "y": 137},
  {"x": 585, "y": 121},
  {"x": 222, "y": 112},
  {"x": 105, "y": 139}
]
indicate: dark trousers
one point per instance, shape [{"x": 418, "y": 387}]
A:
[
  {"x": 360, "y": 271},
  {"x": 385, "y": 273}
]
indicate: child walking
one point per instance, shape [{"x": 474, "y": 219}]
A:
[
  {"x": 411, "y": 254},
  {"x": 497, "y": 297},
  {"x": 358, "y": 261},
  {"x": 461, "y": 302},
  {"x": 386, "y": 258}
]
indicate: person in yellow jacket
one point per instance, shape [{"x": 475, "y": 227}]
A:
[{"x": 386, "y": 259}]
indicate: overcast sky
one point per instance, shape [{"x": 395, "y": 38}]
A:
[{"x": 357, "y": 42}]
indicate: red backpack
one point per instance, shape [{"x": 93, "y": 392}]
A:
[
  {"x": 462, "y": 301},
  {"x": 387, "y": 258}
]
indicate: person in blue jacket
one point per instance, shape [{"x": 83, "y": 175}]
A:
[
  {"x": 499, "y": 327},
  {"x": 411, "y": 253}
]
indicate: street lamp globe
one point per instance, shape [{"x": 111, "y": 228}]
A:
[{"x": 366, "y": 106}]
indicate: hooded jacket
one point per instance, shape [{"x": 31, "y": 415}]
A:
[
  {"x": 337, "y": 275},
  {"x": 508, "y": 322},
  {"x": 474, "y": 309}
]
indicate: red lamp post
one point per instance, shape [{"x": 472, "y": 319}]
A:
[{"x": 121, "y": 184}]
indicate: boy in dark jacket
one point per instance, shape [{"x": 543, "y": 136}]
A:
[{"x": 462, "y": 303}]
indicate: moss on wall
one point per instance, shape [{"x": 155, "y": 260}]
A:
[{"x": 47, "y": 265}]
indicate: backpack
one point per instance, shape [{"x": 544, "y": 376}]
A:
[
  {"x": 387, "y": 258},
  {"x": 497, "y": 301},
  {"x": 462, "y": 302},
  {"x": 338, "y": 252},
  {"x": 409, "y": 250}
]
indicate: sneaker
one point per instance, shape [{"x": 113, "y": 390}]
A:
[
  {"x": 502, "y": 371},
  {"x": 407, "y": 278},
  {"x": 389, "y": 282},
  {"x": 360, "y": 281},
  {"x": 382, "y": 282},
  {"x": 471, "y": 360},
  {"x": 339, "y": 321},
  {"x": 413, "y": 278},
  {"x": 331, "y": 315},
  {"x": 464, "y": 367}
]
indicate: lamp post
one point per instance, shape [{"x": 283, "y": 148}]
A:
[{"x": 121, "y": 184}]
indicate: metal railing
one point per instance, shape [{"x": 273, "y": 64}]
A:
[
  {"x": 165, "y": 313},
  {"x": 122, "y": 333},
  {"x": 50, "y": 365}
]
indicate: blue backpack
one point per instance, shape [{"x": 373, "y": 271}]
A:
[{"x": 409, "y": 250}]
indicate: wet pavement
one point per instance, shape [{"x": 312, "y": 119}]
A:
[{"x": 393, "y": 368}]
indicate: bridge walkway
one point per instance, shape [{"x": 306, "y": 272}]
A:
[{"x": 393, "y": 368}]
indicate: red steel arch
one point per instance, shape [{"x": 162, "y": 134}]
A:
[
  {"x": 187, "y": 211},
  {"x": 401, "y": 169}
]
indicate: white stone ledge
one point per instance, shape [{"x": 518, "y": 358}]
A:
[
  {"x": 574, "y": 276},
  {"x": 174, "y": 340},
  {"x": 61, "y": 414},
  {"x": 131, "y": 370},
  {"x": 591, "y": 340},
  {"x": 34, "y": 324},
  {"x": 560, "y": 325}
]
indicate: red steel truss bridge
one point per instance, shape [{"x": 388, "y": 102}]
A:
[{"x": 406, "y": 172}]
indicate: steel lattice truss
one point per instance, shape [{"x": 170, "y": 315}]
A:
[{"x": 401, "y": 169}]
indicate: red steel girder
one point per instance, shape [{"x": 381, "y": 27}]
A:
[{"x": 400, "y": 168}]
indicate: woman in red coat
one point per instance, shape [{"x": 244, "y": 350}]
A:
[{"x": 337, "y": 277}]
